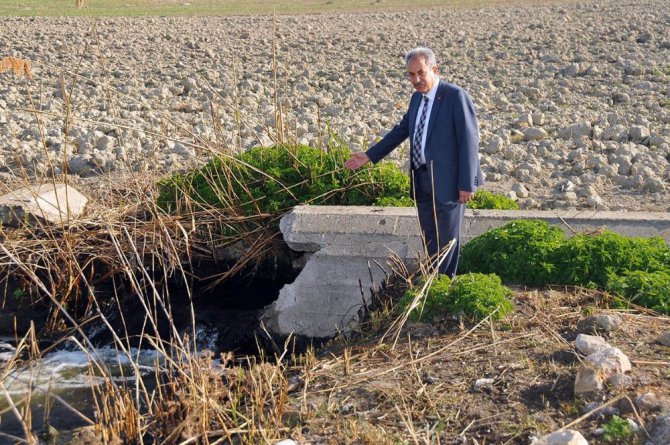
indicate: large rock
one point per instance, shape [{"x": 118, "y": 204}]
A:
[
  {"x": 51, "y": 203},
  {"x": 598, "y": 368}
]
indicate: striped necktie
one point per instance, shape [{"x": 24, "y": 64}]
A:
[{"x": 418, "y": 135}]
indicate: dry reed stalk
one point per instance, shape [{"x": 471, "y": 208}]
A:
[{"x": 20, "y": 67}]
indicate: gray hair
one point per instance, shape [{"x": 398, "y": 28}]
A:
[{"x": 427, "y": 54}]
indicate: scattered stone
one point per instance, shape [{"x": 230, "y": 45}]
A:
[
  {"x": 665, "y": 339},
  {"x": 567, "y": 437},
  {"x": 534, "y": 134},
  {"x": 608, "y": 322},
  {"x": 638, "y": 133},
  {"x": 650, "y": 402},
  {"x": 576, "y": 131},
  {"x": 520, "y": 190},
  {"x": 659, "y": 431},
  {"x": 52, "y": 203},
  {"x": 480, "y": 384},
  {"x": 621, "y": 381},
  {"x": 598, "y": 368},
  {"x": 588, "y": 344}
]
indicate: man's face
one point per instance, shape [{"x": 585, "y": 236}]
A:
[{"x": 421, "y": 75}]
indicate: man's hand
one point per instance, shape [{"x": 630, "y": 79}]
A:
[
  {"x": 357, "y": 160},
  {"x": 465, "y": 197}
]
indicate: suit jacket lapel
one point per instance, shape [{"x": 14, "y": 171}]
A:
[
  {"x": 436, "y": 108},
  {"x": 413, "y": 111}
]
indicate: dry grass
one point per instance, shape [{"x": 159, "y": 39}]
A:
[{"x": 20, "y": 67}]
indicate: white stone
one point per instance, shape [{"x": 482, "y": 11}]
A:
[
  {"x": 567, "y": 437},
  {"x": 638, "y": 132},
  {"x": 598, "y": 368},
  {"x": 588, "y": 344},
  {"x": 575, "y": 131},
  {"x": 481, "y": 383},
  {"x": 53, "y": 203},
  {"x": 617, "y": 133},
  {"x": 520, "y": 190},
  {"x": 534, "y": 134},
  {"x": 609, "y": 322}
]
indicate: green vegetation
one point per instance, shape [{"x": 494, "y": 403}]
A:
[
  {"x": 487, "y": 200},
  {"x": 617, "y": 430},
  {"x": 214, "y": 7},
  {"x": 518, "y": 252},
  {"x": 473, "y": 296},
  {"x": 266, "y": 182},
  {"x": 648, "y": 289},
  {"x": 535, "y": 253}
]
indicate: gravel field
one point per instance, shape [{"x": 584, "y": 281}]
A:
[{"x": 573, "y": 98}]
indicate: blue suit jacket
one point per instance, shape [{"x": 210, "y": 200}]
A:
[{"x": 452, "y": 141}]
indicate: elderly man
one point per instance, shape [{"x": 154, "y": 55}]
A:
[{"x": 444, "y": 161}]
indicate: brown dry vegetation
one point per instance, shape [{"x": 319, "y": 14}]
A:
[
  {"x": 419, "y": 387},
  {"x": 19, "y": 67}
]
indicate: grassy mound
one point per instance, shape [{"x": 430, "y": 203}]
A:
[
  {"x": 267, "y": 181},
  {"x": 487, "y": 200},
  {"x": 535, "y": 253},
  {"x": 518, "y": 252},
  {"x": 474, "y": 296}
]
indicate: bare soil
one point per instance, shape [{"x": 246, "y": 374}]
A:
[{"x": 421, "y": 389}]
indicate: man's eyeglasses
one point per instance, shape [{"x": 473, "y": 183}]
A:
[{"x": 420, "y": 74}]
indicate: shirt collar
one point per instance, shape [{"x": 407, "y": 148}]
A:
[{"x": 433, "y": 91}]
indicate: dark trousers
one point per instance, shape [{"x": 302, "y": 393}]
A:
[{"x": 440, "y": 222}]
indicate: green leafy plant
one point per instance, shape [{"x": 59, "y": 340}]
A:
[
  {"x": 648, "y": 289},
  {"x": 519, "y": 252},
  {"x": 589, "y": 260},
  {"x": 474, "y": 296},
  {"x": 535, "y": 253},
  {"x": 487, "y": 200},
  {"x": 433, "y": 304},
  {"x": 266, "y": 181},
  {"x": 617, "y": 430}
]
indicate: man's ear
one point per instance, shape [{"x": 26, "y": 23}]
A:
[{"x": 435, "y": 69}]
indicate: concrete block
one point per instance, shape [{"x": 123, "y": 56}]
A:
[{"x": 354, "y": 243}]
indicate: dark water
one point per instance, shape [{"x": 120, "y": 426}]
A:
[
  {"x": 58, "y": 385},
  {"x": 57, "y": 388}
]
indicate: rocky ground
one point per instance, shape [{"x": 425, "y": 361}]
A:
[
  {"x": 573, "y": 98},
  {"x": 540, "y": 372}
]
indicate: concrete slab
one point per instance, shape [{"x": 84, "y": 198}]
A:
[
  {"x": 330, "y": 291},
  {"x": 326, "y": 296},
  {"x": 52, "y": 203}
]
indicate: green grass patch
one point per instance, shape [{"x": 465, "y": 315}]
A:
[
  {"x": 266, "y": 182},
  {"x": 518, "y": 252},
  {"x": 487, "y": 200},
  {"x": 474, "y": 296},
  {"x": 617, "y": 431},
  {"x": 535, "y": 253},
  {"x": 219, "y": 7}
]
